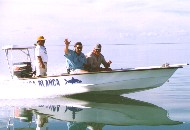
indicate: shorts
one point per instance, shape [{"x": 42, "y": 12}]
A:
[{"x": 41, "y": 71}]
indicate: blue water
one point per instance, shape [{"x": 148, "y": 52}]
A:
[{"x": 124, "y": 43}]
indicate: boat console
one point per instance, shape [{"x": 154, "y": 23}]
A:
[{"x": 22, "y": 69}]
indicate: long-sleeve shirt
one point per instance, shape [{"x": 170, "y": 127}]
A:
[{"x": 95, "y": 61}]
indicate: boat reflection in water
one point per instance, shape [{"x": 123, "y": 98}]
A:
[{"x": 88, "y": 111}]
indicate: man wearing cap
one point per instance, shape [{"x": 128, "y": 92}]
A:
[
  {"x": 95, "y": 59},
  {"x": 41, "y": 57},
  {"x": 75, "y": 60}
]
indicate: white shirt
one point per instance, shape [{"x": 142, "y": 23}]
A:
[{"x": 41, "y": 51}]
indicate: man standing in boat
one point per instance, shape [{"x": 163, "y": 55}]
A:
[
  {"x": 41, "y": 57},
  {"x": 95, "y": 59},
  {"x": 75, "y": 60}
]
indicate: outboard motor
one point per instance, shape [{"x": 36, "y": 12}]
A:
[{"x": 22, "y": 69}]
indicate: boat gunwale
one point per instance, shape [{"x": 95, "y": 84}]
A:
[{"x": 113, "y": 71}]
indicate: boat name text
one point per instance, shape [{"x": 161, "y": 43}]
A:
[{"x": 46, "y": 83}]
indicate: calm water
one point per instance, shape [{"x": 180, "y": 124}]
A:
[
  {"x": 165, "y": 107},
  {"x": 129, "y": 40}
]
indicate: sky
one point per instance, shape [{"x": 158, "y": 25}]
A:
[
  {"x": 108, "y": 21},
  {"x": 91, "y": 21}
]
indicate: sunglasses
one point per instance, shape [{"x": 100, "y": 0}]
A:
[
  {"x": 79, "y": 48},
  {"x": 43, "y": 41},
  {"x": 98, "y": 50}
]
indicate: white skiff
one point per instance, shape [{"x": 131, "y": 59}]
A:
[{"x": 118, "y": 81}]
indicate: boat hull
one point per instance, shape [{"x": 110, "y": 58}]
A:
[
  {"x": 133, "y": 81},
  {"x": 113, "y": 82}
]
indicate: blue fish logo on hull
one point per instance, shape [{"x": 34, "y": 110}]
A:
[{"x": 73, "y": 80}]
